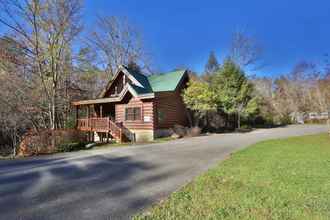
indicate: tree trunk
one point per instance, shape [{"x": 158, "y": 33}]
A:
[
  {"x": 238, "y": 120},
  {"x": 189, "y": 117},
  {"x": 207, "y": 120},
  {"x": 14, "y": 142},
  {"x": 53, "y": 122},
  {"x": 50, "y": 112},
  {"x": 226, "y": 117}
]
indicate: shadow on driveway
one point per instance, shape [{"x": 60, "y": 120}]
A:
[{"x": 69, "y": 189}]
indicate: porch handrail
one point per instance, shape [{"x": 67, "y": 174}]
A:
[
  {"x": 130, "y": 135},
  {"x": 93, "y": 123},
  {"x": 115, "y": 130},
  {"x": 83, "y": 123},
  {"x": 105, "y": 124},
  {"x": 99, "y": 124}
]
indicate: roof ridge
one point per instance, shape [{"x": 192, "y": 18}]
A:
[{"x": 168, "y": 72}]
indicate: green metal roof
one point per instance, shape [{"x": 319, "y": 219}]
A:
[
  {"x": 140, "y": 90},
  {"x": 156, "y": 83},
  {"x": 144, "y": 82},
  {"x": 166, "y": 81}
]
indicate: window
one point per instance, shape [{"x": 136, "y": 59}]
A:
[{"x": 133, "y": 114}]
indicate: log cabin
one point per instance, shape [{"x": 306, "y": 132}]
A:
[{"x": 135, "y": 107}]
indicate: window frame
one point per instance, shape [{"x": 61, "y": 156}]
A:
[{"x": 134, "y": 116}]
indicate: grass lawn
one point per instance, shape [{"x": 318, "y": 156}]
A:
[{"x": 278, "y": 179}]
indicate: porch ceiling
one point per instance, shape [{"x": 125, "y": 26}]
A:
[{"x": 96, "y": 101}]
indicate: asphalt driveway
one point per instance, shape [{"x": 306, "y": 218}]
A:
[{"x": 119, "y": 182}]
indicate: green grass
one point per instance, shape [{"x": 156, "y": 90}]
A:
[{"x": 278, "y": 179}]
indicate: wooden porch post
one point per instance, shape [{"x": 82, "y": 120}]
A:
[
  {"x": 88, "y": 124},
  {"x": 77, "y": 115}
]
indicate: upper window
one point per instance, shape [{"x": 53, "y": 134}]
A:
[{"x": 133, "y": 113}]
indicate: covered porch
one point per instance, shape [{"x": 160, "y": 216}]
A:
[{"x": 97, "y": 117}]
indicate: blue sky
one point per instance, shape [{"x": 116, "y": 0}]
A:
[{"x": 182, "y": 32}]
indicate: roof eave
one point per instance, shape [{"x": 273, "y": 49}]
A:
[
  {"x": 121, "y": 68},
  {"x": 146, "y": 96},
  {"x": 115, "y": 99},
  {"x": 185, "y": 74}
]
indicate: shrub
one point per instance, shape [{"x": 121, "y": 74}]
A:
[
  {"x": 68, "y": 147},
  {"x": 179, "y": 131},
  {"x": 34, "y": 143},
  {"x": 194, "y": 132},
  {"x": 5, "y": 150},
  {"x": 282, "y": 120},
  {"x": 244, "y": 128}
]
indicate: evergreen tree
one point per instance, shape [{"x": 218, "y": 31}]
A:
[
  {"x": 211, "y": 67},
  {"x": 134, "y": 67},
  {"x": 234, "y": 91}
]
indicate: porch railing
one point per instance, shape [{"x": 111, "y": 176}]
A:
[
  {"x": 104, "y": 124},
  {"x": 94, "y": 124},
  {"x": 130, "y": 135},
  {"x": 99, "y": 124},
  {"x": 83, "y": 124},
  {"x": 115, "y": 130}
]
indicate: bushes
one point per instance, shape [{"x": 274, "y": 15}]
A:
[
  {"x": 193, "y": 132},
  {"x": 5, "y": 150},
  {"x": 68, "y": 147},
  {"x": 47, "y": 141},
  {"x": 181, "y": 131}
]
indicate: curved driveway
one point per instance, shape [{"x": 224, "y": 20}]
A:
[{"x": 119, "y": 182}]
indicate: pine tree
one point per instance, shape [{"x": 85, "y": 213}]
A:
[
  {"x": 234, "y": 91},
  {"x": 134, "y": 67},
  {"x": 211, "y": 67}
]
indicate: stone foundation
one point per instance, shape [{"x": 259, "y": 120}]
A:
[{"x": 143, "y": 135}]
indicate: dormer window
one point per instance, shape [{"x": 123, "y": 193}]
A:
[{"x": 116, "y": 90}]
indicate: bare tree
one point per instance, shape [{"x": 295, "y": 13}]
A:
[
  {"x": 321, "y": 96},
  {"x": 45, "y": 31},
  {"x": 305, "y": 89},
  {"x": 292, "y": 94},
  {"x": 245, "y": 51},
  {"x": 118, "y": 43},
  {"x": 15, "y": 113},
  {"x": 88, "y": 76}
]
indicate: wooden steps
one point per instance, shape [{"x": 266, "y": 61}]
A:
[{"x": 106, "y": 125}]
